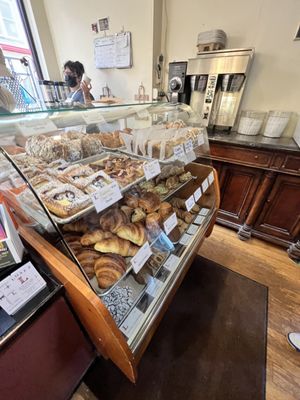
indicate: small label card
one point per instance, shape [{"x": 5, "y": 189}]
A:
[
  {"x": 143, "y": 114},
  {"x": 178, "y": 151},
  {"x": 106, "y": 196},
  {"x": 93, "y": 117},
  {"x": 190, "y": 202},
  {"x": 192, "y": 229},
  {"x": 204, "y": 185},
  {"x": 172, "y": 262},
  {"x": 199, "y": 219},
  {"x": 211, "y": 178},
  {"x": 197, "y": 194},
  {"x": 20, "y": 287},
  {"x": 131, "y": 322},
  {"x": 188, "y": 146},
  {"x": 170, "y": 223},
  {"x": 204, "y": 211},
  {"x": 154, "y": 287},
  {"x": 152, "y": 169},
  {"x": 185, "y": 240},
  {"x": 139, "y": 260},
  {"x": 36, "y": 127},
  {"x": 200, "y": 139}
]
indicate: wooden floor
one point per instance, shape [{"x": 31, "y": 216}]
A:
[{"x": 269, "y": 265}]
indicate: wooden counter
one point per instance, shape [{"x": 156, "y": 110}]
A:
[{"x": 260, "y": 187}]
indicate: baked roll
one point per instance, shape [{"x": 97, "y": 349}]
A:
[
  {"x": 165, "y": 209},
  {"x": 135, "y": 233},
  {"x": 131, "y": 200},
  {"x": 185, "y": 215},
  {"x": 153, "y": 223},
  {"x": 178, "y": 203},
  {"x": 90, "y": 238},
  {"x": 108, "y": 269},
  {"x": 112, "y": 219},
  {"x": 117, "y": 245},
  {"x": 149, "y": 202}
]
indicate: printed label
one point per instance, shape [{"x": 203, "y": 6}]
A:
[
  {"x": 131, "y": 322},
  {"x": 204, "y": 211},
  {"x": 178, "y": 151},
  {"x": 185, "y": 240},
  {"x": 152, "y": 169},
  {"x": 211, "y": 178},
  {"x": 200, "y": 139},
  {"x": 188, "y": 146},
  {"x": 36, "y": 127},
  {"x": 197, "y": 194},
  {"x": 106, "y": 196},
  {"x": 204, "y": 185},
  {"x": 93, "y": 117},
  {"x": 141, "y": 257},
  {"x": 199, "y": 219},
  {"x": 170, "y": 223},
  {"x": 190, "y": 202},
  {"x": 172, "y": 262}
]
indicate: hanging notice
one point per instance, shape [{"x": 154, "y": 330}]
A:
[{"x": 114, "y": 51}]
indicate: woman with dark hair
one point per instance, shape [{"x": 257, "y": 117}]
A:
[{"x": 80, "y": 89}]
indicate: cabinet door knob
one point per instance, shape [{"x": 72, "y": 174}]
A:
[
  {"x": 268, "y": 201},
  {"x": 256, "y": 157}
]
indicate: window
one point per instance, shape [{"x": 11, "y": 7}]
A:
[{"x": 11, "y": 27}]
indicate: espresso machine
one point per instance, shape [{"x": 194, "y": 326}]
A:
[
  {"x": 179, "y": 87},
  {"x": 217, "y": 80}
]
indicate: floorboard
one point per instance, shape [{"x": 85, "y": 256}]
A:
[{"x": 269, "y": 265}]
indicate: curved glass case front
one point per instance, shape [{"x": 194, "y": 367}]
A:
[{"x": 119, "y": 190}]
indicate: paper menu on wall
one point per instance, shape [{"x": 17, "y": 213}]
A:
[{"x": 114, "y": 51}]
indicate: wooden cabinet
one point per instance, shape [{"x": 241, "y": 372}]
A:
[
  {"x": 280, "y": 215},
  {"x": 260, "y": 188},
  {"x": 239, "y": 185}
]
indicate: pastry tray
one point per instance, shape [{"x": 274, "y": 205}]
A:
[{"x": 91, "y": 207}]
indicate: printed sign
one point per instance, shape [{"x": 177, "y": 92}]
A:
[
  {"x": 190, "y": 202},
  {"x": 197, "y": 194},
  {"x": 178, "y": 151},
  {"x": 152, "y": 169},
  {"x": 141, "y": 257},
  {"x": 36, "y": 127},
  {"x": 170, "y": 223},
  {"x": 204, "y": 185},
  {"x": 106, "y": 196},
  {"x": 188, "y": 146}
]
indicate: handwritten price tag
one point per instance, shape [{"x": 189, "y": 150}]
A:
[
  {"x": 190, "y": 202},
  {"x": 93, "y": 117},
  {"x": 185, "y": 240},
  {"x": 106, "y": 196},
  {"x": 139, "y": 260},
  {"x": 36, "y": 127},
  {"x": 170, "y": 223},
  {"x": 192, "y": 229},
  {"x": 197, "y": 194},
  {"x": 178, "y": 151},
  {"x": 188, "y": 146},
  {"x": 152, "y": 169},
  {"x": 199, "y": 219}
]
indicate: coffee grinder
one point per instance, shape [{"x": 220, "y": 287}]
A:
[{"x": 179, "y": 87}]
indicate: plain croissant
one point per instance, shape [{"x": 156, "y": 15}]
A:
[
  {"x": 94, "y": 237},
  {"x": 117, "y": 246},
  {"x": 135, "y": 233}
]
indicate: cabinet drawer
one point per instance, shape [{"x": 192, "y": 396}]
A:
[
  {"x": 242, "y": 156},
  {"x": 291, "y": 164}
]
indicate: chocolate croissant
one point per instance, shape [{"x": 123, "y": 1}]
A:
[
  {"x": 94, "y": 237},
  {"x": 149, "y": 202},
  {"x": 135, "y": 233},
  {"x": 112, "y": 219},
  {"x": 108, "y": 269},
  {"x": 117, "y": 245}
]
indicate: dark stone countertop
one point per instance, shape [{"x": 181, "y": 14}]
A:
[{"x": 259, "y": 141}]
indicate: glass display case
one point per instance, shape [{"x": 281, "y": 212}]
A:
[{"x": 115, "y": 202}]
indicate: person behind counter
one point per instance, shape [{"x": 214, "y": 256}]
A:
[{"x": 80, "y": 89}]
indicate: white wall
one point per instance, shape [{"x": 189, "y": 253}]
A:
[
  {"x": 70, "y": 24},
  {"x": 267, "y": 25}
]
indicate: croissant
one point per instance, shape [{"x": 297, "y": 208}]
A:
[
  {"x": 135, "y": 233},
  {"x": 94, "y": 237},
  {"x": 108, "y": 269},
  {"x": 165, "y": 209},
  {"x": 131, "y": 200},
  {"x": 178, "y": 203},
  {"x": 149, "y": 202},
  {"x": 153, "y": 223},
  {"x": 87, "y": 260},
  {"x": 127, "y": 210},
  {"x": 118, "y": 246},
  {"x": 112, "y": 219},
  {"x": 185, "y": 215},
  {"x": 77, "y": 226}
]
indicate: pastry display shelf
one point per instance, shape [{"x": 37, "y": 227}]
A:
[{"x": 140, "y": 319}]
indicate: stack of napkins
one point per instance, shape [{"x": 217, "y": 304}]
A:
[{"x": 213, "y": 36}]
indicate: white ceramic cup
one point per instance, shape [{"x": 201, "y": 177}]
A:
[{"x": 86, "y": 79}]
